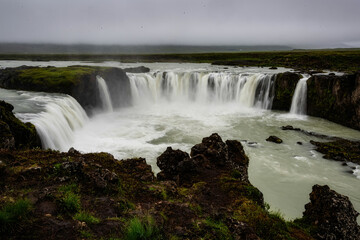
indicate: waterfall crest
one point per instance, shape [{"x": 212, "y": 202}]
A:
[
  {"x": 298, "y": 103},
  {"x": 56, "y": 125},
  {"x": 104, "y": 94},
  {"x": 248, "y": 90}
]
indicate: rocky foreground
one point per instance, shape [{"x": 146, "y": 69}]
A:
[{"x": 206, "y": 194}]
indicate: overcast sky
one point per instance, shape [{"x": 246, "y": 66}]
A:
[{"x": 318, "y": 23}]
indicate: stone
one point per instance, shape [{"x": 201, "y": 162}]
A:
[
  {"x": 274, "y": 139},
  {"x": 332, "y": 213}
]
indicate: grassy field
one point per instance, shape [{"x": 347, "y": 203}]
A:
[{"x": 346, "y": 60}]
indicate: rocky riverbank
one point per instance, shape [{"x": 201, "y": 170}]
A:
[{"x": 206, "y": 194}]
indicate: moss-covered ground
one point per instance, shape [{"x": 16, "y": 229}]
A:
[{"x": 46, "y": 194}]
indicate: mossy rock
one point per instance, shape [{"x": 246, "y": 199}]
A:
[{"x": 13, "y": 132}]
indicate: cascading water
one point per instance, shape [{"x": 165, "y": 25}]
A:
[
  {"x": 255, "y": 90},
  {"x": 104, "y": 94},
  {"x": 298, "y": 103},
  {"x": 56, "y": 125}
]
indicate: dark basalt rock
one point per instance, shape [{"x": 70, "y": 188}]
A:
[
  {"x": 332, "y": 214},
  {"x": 285, "y": 85},
  {"x": 15, "y": 134},
  {"x": 140, "y": 69},
  {"x": 174, "y": 163},
  {"x": 335, "y": 98},
  {"x": 212, "y": 149},
  {"x": 212, "y": 153},
  {"x": 339, "y": 150},
  {"x": 274, "y": 139}
]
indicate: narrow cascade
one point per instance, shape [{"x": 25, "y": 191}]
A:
[
  {"x": 104, "y": 94},
  {"x": 57, "y": 123},
  {"x": 248, "y": 90},
  {"x": 298, "y": 103}
]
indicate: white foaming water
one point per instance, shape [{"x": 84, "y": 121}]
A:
[
  {"x": 55, "y": 116},
  {"x": 298, "y": 103},
  {"x": 196, "y": 100},
  {"x": 104, "y": 94},
  {"x": 56, "y": 125},
  {"x": 202, "y": 88}
]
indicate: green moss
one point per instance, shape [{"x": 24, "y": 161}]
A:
[
  {"x": 86, "y": 217},
  {"x": 142, "y": 229},
  {"x": 217, "y": 230},
  {"x": 266, "y": 225},
  {"x": 53, "y": 78},
  {"x": 13, "y": 213}
]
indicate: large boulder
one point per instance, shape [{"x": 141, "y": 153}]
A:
[
  {"x": 13, "y": 132},
  {"x": 207, "y": 157},
  {"x": 212, "y": 149},
  {"x": 332, "y": 214}
]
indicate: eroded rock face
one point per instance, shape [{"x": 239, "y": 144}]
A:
[
  {"x": 285, "y": 84},
  {"x": 336, "y": 98},
  {"x": 333, "y": 214},
  {"x": 15, "y": 134}
]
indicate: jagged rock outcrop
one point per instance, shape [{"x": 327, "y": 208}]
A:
[
  {"x": 332, "y": 214},
  {"x": 285, "y": 84},
  {"x": 335, "y": 98},
  {"x": 15, "y": 134},
  {"x": 212, "y": 152},
  {"x": 77, "y": 81}
]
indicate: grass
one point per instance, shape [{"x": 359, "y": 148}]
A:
[
  {"x": 86, "y": 217},
  {"x": 336, "y": 60},
  {"x": 142, "y": 229},
  {"x": 12, "y": 213},
  {"x": 267, "y": 225},
  {"x": 70, "y": 201},
  {"x": 218, "y": 229}
]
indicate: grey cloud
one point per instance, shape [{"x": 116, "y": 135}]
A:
[{"x": 297, "y": 23}]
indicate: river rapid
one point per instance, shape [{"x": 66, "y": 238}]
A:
[{"x": 177, "y": 105}]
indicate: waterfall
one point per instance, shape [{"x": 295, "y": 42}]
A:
[
  {"x": 298, "y": 103},
  {"x": 247, "y": 90},
  {"x": 57, "y": 123},
  {"x": 104, "y": 94}
]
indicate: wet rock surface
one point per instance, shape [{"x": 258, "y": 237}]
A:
[
  {"x": 335, "y": 98},
  {"x": 285, "y": 84},
  {"x": 15, "y": 134},
  {"x": 340, "y": 150},
  {"x": 140, "y": 69},
  {"x": 274, "y": 139},
  {"x": 332, "y": 214}
]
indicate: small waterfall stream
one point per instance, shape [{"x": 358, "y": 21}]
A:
[
  {"x": 298, "y": 103},
  {"x": 104, "y": 94}
]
